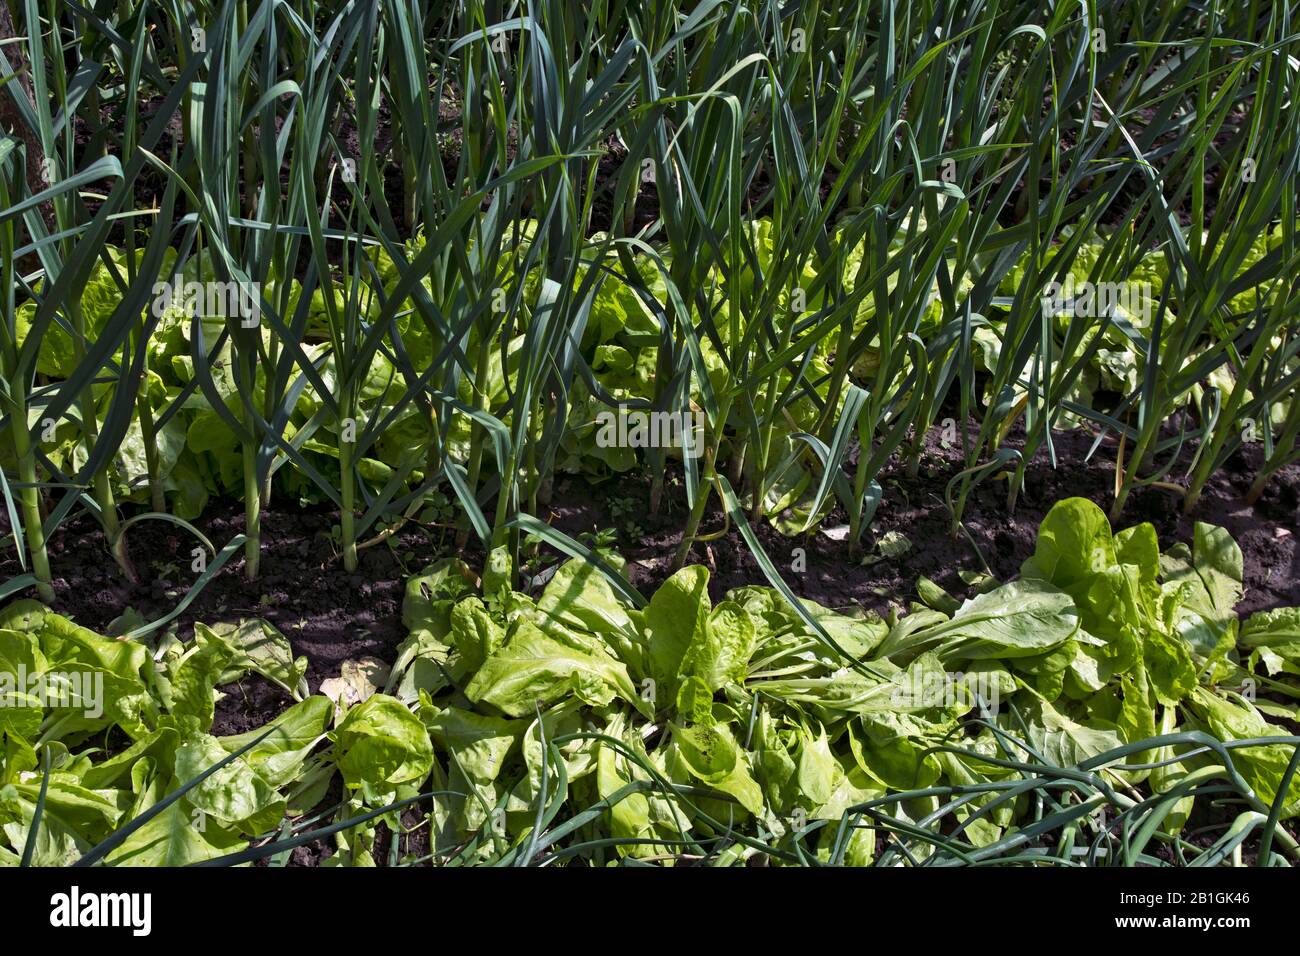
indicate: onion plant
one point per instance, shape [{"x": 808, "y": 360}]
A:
[{"x": 1197, "y": 331}]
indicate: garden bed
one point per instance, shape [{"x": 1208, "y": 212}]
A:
[{"x": 707, "y": 437}]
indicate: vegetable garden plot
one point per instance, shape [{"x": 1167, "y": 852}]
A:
[{"x": 737, "y": 269}]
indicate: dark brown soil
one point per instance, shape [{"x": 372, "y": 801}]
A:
[
  {"x": 1268, "y": 533},
  {"x": 330, "y": 615}
]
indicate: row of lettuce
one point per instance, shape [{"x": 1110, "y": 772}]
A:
[
  {"x": 576, "y": 723},
  {"x": 180, "y": 445}
]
